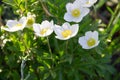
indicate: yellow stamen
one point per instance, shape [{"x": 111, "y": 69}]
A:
[
  {"x": 18, "y": 25},
  {"x": 91, "y": 42},
  {"x": 87, "y": 2},
  {"x": 76, "y": 13},
  {"x": 30, "y": 21},
  {"x": 66, "y": 33},
  {"x": 43, "y": 31}
]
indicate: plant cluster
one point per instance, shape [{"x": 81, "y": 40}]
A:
[{"x": 51, "y": 42}]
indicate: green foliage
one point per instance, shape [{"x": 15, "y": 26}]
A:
[{"x": 68, "y": 60}]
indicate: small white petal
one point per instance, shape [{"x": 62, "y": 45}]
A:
[
  {"x": 49, "y": 31},
  {"x": 68, "y": 17},
  {"x": 61, "y": 38},
  {"x": 88, "y": 34},
  {"x": 82, "y": 42},
  {"x": 95, "y": 35},
  {"x": 79, "y": 19},
  {"x": 66, "y": 25},
  {"x": 75, "y": 29},
  {"x": 84, "y": 11},
  {"x": 58, "y": 30},
  {"x": 22, "y": 20},
  {"x": 11, "y": 23},
  {"x": 68, "y": 6},
  {"x": 36, "y": 27}
]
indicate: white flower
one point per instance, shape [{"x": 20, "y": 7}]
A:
[
  {"x": 86, "y": 3},
  {"x": 30, "y": 19},
  {"x": 75, "y": 13},
  {"x": 44, "y": 29},
  {"x": 90, "y": 40},
  {"x": 14, "y": 25},
  {"x": 66, "y": 31}
]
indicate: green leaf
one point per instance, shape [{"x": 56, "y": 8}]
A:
[
  {"x": 46, "y": 75},
  {"x": 53, "y": 74}
]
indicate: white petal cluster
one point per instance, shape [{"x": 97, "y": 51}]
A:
[
  {"x": 14, "y": 25},
  {"x": 66, "y": 31},
  {"x": 85, "y": 3},
  {"x": 90, "y": 40},
  {"x": 75, "y": 13},
  {"x": 44, "y": 29},
  {"x": 77, "y": 10}
]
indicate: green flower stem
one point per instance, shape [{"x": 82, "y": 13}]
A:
[
  {"x": 24, "y": 57},
  {"x": 27, "y": 76},
  {"x": 56, "y": 45},
  {"x": 113, "y": 16},
  {"x": 25, "y": 4},
  {"x": 50, "y": 50},
  {"x": 111, "y": 22},
  {"x": 95, "y": 11},
  {"x": 45, "y": 9},
  {"x": 49, "y": 47},
  {"x": 21, "y": 38},
  {"x": 66, "y": 47},
  {"x": 22, "y": 69}
]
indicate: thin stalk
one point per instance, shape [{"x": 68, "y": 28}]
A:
[
  {"x": 49, "y": 47},
  {"x": 95, "y": 11},
  {"x": 25, "y": 4},
  {"x": 113, "y": 18},
  {"x": 66, "y": 46},
  {"x": 22, "y": 69},
  {"x": 27, "y": 76},
  {"x": 24, "y": 57},
  {"x": 50, "y": 50},
  {"x": 45, "y": 9}
]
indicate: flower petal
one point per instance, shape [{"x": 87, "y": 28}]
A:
[
  {"x": 75, "y": 29},
  {"x": 66, "y": 25},
  {"x": 11, "y": 23},
  {"x": 68, "y": 17},
  {"x": 84, "y": 11},
  {"x": 68, "y": 6},
  {"x": 58, "y": 30},
  {"x": 95, "y": 35},
  {"x": 36, "y": 28},
  {"x": 61, "y": 38}
]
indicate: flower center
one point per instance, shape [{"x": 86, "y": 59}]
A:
[
  {"x": 91, "y": 42},
  {"x": 30, "y": 21},
  {"x": 43, "y": 31},
  {"x": 76, "y": 13},
  {"x": 66, "y": 33},
  {"x": 18, "y": 25},
  {"x": 87, "y": 2}
]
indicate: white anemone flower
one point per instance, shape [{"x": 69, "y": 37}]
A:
[
  {"x": 90, "y": 40},
  {"x": 14, "y": 25},
  {"x": 86, "y": 3},
  {"x": 44, "y": 29},
  {"x": 66, "y": 31},
  {"x": 30, "y": 19},
  {"x": 75, "y": 13}
]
